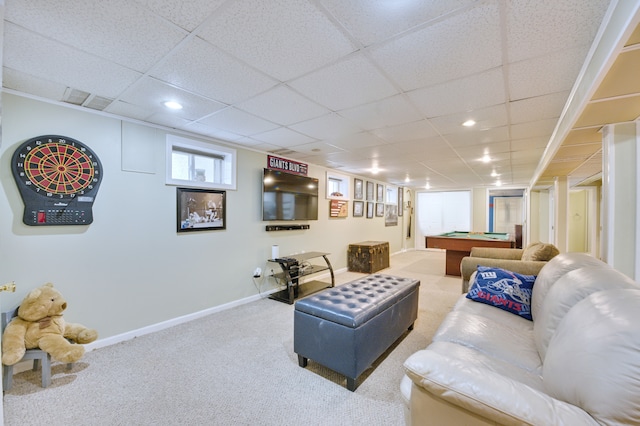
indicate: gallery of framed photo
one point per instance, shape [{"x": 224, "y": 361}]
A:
[
  {"x": 370, "y": 191},
  {"x": 380, "y": 193},
  {"x": 201, "y": 209},
  {"x": 379, "y": 209},
  {"x": 358, "y": 189},
  {"x": 370, "y": 209},
  {"x": 358, "y": 208}
]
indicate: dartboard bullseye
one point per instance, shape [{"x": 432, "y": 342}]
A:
[{"x": 58, "y": 178}]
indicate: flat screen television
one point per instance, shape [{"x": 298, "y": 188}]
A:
[{"x": 286, "y": 196}]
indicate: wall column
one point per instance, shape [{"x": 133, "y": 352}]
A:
[
  {"x": 561, "y": 205},
  {"x": 619, "y": 197}
]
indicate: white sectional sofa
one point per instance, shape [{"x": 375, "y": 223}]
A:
[{"x": 576, "y": 363}]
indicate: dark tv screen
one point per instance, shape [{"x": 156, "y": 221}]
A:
[{"x": 286, "y": 196}]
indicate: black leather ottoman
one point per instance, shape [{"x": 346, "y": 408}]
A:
[{"x": 346, "y": 328}]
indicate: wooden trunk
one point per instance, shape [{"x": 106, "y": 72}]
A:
[{"x": 368, "y": 256}]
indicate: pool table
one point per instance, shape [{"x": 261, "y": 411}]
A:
[{"x": 458, "y": 245}]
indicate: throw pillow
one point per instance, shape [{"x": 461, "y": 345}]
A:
[
  {"x": 503, "y": 289},
  {"x": 540, "y": 251}
]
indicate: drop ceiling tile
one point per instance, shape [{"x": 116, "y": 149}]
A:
[
  {"x": 328, "y": 126},
  {"x": 406, "y": 132},
  {"x": 493, "y": 150},
  {"x": 355, "y": 141},
  {"x": 467, "y": 137},
  {"x": 201, "y": 68},
  {"x": 150, "y": 94},
  {"x": 187, "y": 14},
  {"x": 284, "y": 39},
  {"x": 434, "y": 146},
  {"x": 622, "y": 78},
  {"x": 533, "y": 129},
  {"x": 113, "y": 30},
  {"x": 125, "y": 109},
  {"x": 168, "y": 119},
  {"x": 555, "y": 72},
  {"x": 391, "y": 111},
  {"x": 575, "y": 22},
  {"x": 527, "y": 156},
  {"x": 345, "y": 84},
  {"x": 465, "y": 94},
  {"x": 214, "y": 132},
  {"x": 485, "y": 118},
  {"x": 283, "y": 106},
  {"x": 433, "y": 62},
  {"x": 371, "y": 21},
  {"x": 529, "y": 143},
  {"x": 239, "y": 122},
  {"x": 64, "y": 65},
  {"x": 317, "y": 148},
  {"x": 283, "y": 137},
  {"x": 26, "y": 83},
  {"x": 538, "y": 108}
]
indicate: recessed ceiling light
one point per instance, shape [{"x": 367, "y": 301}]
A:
[
  {"x": 494, "y": 174},
  {"x": 172, "y": 105},
  {"x": 486, "y": 158},
  {"x": 469, "y": 123}
]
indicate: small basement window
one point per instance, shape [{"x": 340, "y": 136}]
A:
[{"x": 200, "y": 164}]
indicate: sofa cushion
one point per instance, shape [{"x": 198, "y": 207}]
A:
[
  {"x": 570, "y": 289},
  {"x": 592, "y": 360},
  {"x": 503, "y": 289},
  {"x": 540, "y": 251},
  {"x": 492, "y": 332},
  {"x": 553, "y": 270}
]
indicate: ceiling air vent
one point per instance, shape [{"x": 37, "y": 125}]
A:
[
  {"x": 97, "y": 102},
  {"x": 85, "y": 99},
  {"x": 74, "y": 96}
]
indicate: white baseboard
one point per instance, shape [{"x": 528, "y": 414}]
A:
[{"x": 101, "y": 343}]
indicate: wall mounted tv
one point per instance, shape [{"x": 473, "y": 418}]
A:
[{"x": 286, "y": 196}]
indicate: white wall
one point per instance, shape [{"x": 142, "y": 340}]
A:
[{"x": 130, "y": 269}]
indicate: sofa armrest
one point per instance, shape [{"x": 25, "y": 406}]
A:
[
  {"x": 488, "y": 394},
  {"x": 497, "y": 253},
  {"x": 469, "y": 265}
]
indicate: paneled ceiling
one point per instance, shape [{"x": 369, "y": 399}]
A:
[{"x": 377, "y": 88}]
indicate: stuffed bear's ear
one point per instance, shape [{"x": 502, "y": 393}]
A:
[
  {"x": 33, "y": 295},
  {"x": 48, "y": 285}
]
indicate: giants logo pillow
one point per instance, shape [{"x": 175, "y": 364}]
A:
[{"x": 503, "y": 289}]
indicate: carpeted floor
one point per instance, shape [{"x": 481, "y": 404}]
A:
[{"x": 244, "y": 372}]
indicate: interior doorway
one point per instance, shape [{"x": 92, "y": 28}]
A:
[{"x": 506, "y": 210}]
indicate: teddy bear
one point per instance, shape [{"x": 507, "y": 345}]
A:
[{"x": 39, "y": 324}]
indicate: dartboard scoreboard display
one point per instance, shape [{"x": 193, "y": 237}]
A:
[{"x": 58, "y": 178}]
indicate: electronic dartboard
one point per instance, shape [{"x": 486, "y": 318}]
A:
[{"x": 58, "y": 178}]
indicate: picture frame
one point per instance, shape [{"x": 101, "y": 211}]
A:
[
  {"x": 379, "y": 209},
  {"x": 370, "y": 209},
  {"x": 338, "y": 208},
  {"x": 370, "y": 191},
  {"x": 380, "y": 193},
  {"x": 200, "y": 209},
  {"x": 391, "y": 215},
  {"x": 358, "y": 208},
  {"x": 358, "y": 190},
  {"x": 400, "y": 200}
]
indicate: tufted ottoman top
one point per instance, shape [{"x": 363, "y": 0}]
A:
[{"x": 356, "y": 302}]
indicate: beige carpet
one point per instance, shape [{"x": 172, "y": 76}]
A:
[{"x": 242, "y": 372}]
